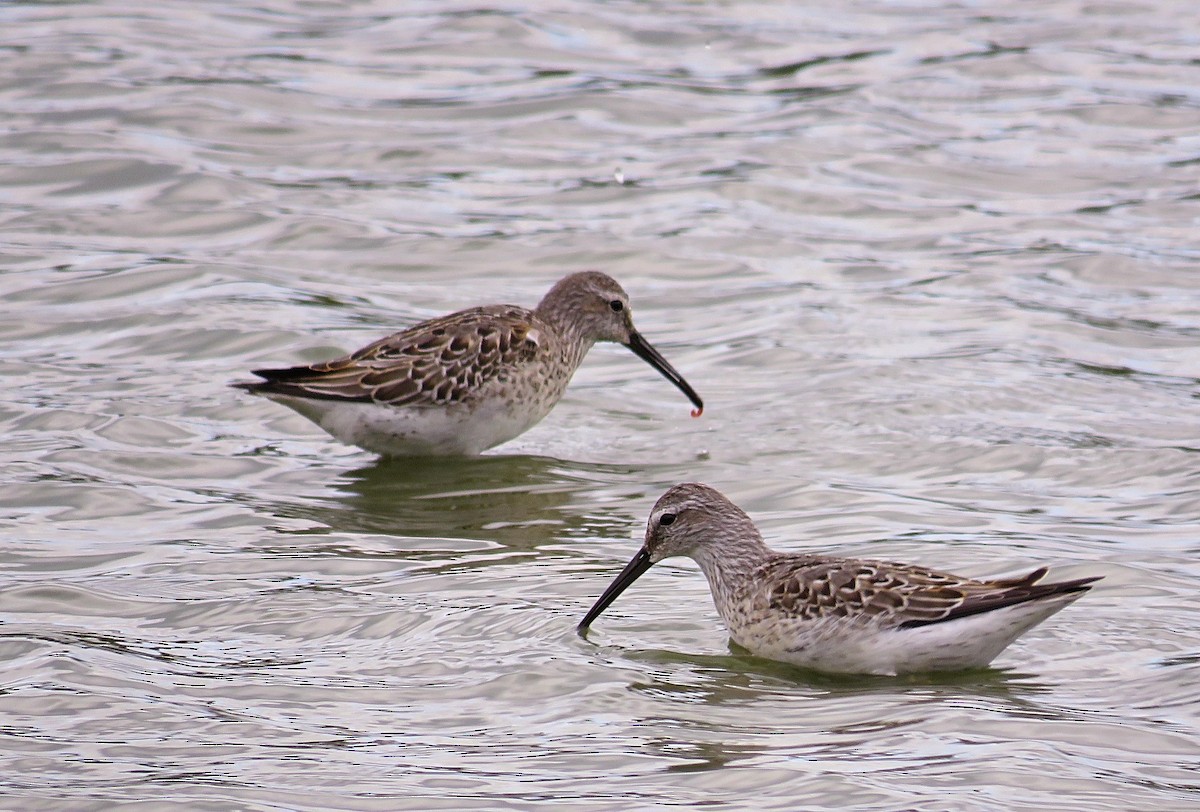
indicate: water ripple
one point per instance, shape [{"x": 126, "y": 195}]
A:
[{"x": 931, "y": 269}]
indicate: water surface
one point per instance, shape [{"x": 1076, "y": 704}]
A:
[{"x": 931, "y": 265}]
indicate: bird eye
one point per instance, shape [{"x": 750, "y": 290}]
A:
[
  {"x": 666, "y": 519},
  {"x": 617, "y": 305}
]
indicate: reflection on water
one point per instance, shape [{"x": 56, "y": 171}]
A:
[
  {"x": 518, "y": 501},
  {"x": 731, "y": 676},
  {"x": 933, "y": 270}
]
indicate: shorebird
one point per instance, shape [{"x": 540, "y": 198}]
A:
[
  {"x": 462, "y": 383},
  {"x": 838, "y": 615}
]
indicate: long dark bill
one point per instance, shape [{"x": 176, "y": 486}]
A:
[
  {"x": 642, "y": 349},
  {"x": 633, "y": 570}
]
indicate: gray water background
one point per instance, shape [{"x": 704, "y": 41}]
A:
[{"x": 933, "y": 265}]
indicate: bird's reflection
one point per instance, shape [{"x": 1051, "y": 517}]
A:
[
  {"x": 730, "y": 676},
  {"x": 740, "y": 680},
  {"x": 899, "y": 703},
  {"x": 516, "y": 501}
]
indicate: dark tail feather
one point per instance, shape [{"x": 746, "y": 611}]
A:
[
  {"x": 272, "y": 378},
  {"x": 311, "y": 382},
  {"x": 284, "y": 374},
  {"x": 1019, "y": 590}
]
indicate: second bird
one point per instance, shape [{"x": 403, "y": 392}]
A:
[
  {"x": 459, "y": 384},
  {"x": 840, "y": 615}
]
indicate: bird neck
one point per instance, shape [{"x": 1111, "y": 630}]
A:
[
  {"x": 554, "y": 312},
  {"x": 728, "y": 566}
]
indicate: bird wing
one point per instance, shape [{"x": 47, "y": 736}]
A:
[
  {"x": 899, "y": 595},
  {"x": 440, "y": 361}
]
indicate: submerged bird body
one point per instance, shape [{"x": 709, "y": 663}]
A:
[
  {"x": 462, "y": 383},
  {"x": 854, "y": 616},
  {"x": 838, "y": 615}
]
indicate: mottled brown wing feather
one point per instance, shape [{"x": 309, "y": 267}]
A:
[
  {"x": 836, "y": 588},
  {"x": 440, "y": 361},
  {"x": 895, "y": 594}
]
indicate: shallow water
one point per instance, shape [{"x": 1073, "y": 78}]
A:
[{"x": 932, "y": 266}]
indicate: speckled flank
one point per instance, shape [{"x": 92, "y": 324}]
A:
[
  {"x": 462, "y": 383},
  {"x": 838, "y": 614}
]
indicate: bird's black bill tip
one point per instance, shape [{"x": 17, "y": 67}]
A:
[
  {"x": 633, "y": 570},
  {"x": 644, "y": 350}
]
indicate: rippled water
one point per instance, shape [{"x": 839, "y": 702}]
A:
[{"x": 933, "y": 267}]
